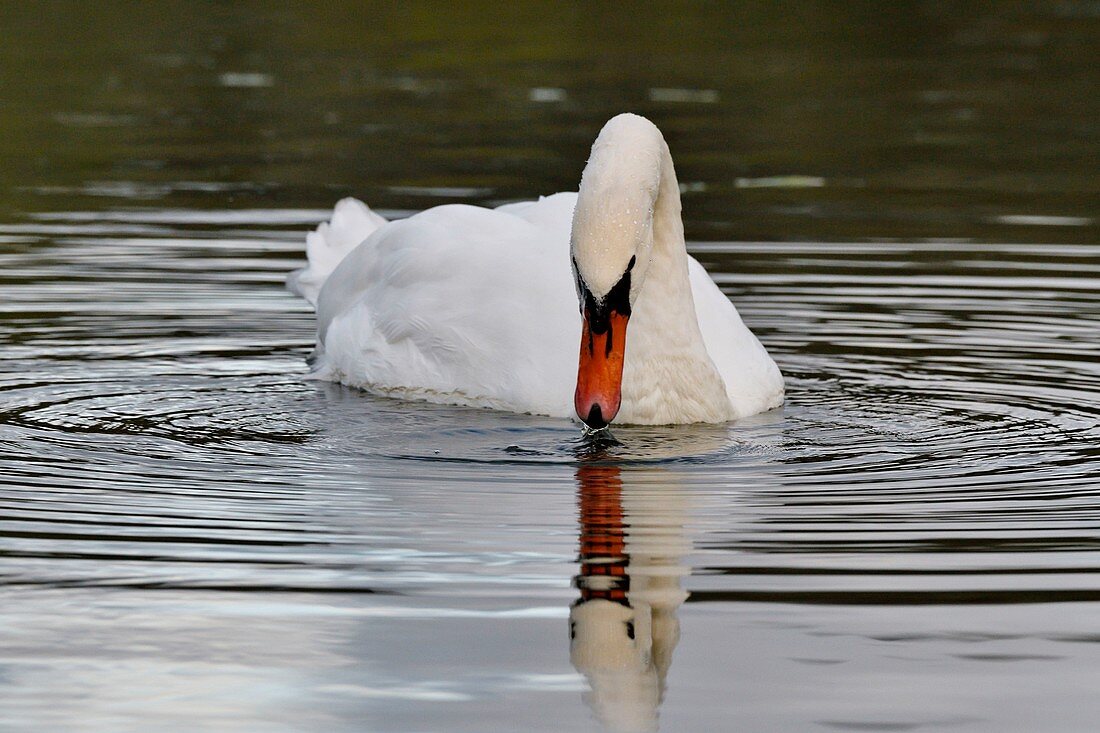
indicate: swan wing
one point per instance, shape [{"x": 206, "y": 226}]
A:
[{"x": 458, "y": 304}]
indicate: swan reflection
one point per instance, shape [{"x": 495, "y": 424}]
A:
[{"x": 623, "y": 626}]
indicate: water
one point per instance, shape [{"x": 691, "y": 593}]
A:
[{"x": 902, "y": 204}]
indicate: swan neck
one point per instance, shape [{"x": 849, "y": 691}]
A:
[
  {"x": 668, "y": 224},
  {"x": 665, "y": 298},
  {"x": 669, "y": 376}
]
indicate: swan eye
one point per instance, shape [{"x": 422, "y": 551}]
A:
[
  {"x": 630, "y": 265},
  {"x": 630, "y": 629},
  {"x": 572, "y": 629}
]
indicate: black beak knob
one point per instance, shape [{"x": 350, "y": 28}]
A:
[{"x": 595, "y": 418}]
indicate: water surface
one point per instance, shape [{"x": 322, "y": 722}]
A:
[{"x": 902, "y": 204}]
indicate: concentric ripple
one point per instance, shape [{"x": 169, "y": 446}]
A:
[
  {"x": 943, "y": 412},
  {"x": 938, "y": 449}
]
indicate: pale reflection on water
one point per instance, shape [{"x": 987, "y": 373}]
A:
[{"x": 623, "y": 628}]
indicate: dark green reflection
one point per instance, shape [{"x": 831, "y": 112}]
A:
[{"x": 807, "y": 121}]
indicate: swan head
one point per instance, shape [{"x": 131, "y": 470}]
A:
[{"x": 611, "y": 245}]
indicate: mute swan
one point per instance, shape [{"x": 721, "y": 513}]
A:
[{"x": 466, "y": 305}]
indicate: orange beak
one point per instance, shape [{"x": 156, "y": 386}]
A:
[{"x": 600, "y": 372}]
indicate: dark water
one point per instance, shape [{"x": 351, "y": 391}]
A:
[{"x": 902, "y": 202}]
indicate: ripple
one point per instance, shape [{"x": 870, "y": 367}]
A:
[{"x": 938, "y": 445}]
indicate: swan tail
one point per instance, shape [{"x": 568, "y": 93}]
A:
[{"x": 352, "y": 222}]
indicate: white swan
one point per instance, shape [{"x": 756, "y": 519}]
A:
[{"x": 466, "y": 305}]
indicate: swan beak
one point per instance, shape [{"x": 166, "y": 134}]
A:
[{"x": 600, "y": 372}]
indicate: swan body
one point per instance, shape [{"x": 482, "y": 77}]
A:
[{"x": 466, "y": 305}]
